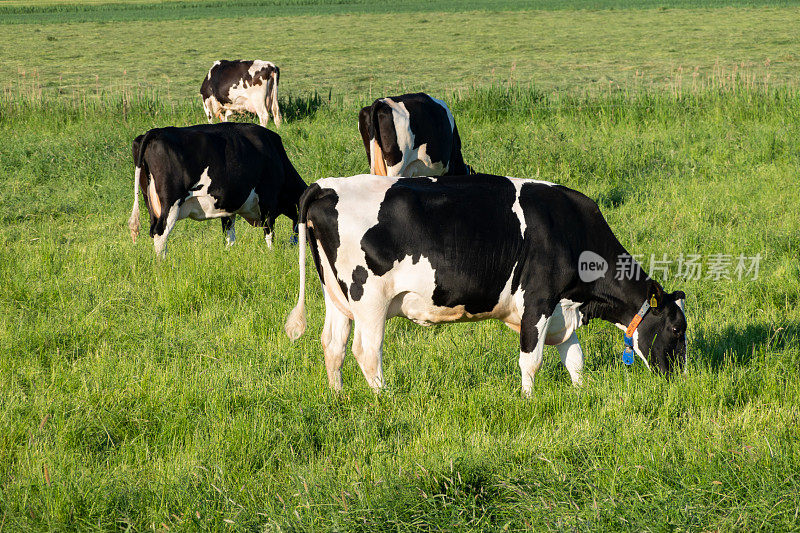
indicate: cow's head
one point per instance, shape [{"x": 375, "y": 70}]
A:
[{"x": 662, "y": 333}]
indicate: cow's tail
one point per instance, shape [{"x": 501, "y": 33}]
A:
[
  {"x": 140, "y": 170},
  {"x": 296, "y": 321},
  {"x": 138, "y": 163},
  {"x": 276, "y": 111},
  {"x": 133, "y": 221}
]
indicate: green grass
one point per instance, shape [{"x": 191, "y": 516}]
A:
[
  {"x": 584, "y": 51},
  {"x": 153, "y": 394},
  {"x": 57, "y": 11},
  {"x": 142, "y": 394}
]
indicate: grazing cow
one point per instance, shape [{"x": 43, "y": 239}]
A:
[
  {"x": 540, "y": 257},
  {"x": 239, "y": 87},
  {"x": 213, "y": 171},
  {"x": 411, "y": 135}
]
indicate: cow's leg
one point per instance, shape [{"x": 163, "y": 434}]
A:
[
  {"x": 224, "y": 117},
  {"x": 532, "y": 336},
  {"x": 162, "y": 227},
  {"x": 368, "y": 345},
  {"x": 269, "y": 226},
  {"x": 572, "y": 358},
  {"x": 293, "y": 238},
  {"x": 228, "y": 229},
  {"x": 263, "y": 114},
  {"x": 334, "y": 340},
  {"x": 209, "y": 113}
]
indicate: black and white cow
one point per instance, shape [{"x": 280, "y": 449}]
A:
[
  {"x": 241, "y": 87},
  {"x": 213, "y": 171},
  {"x": 468, "y": 248},
  {"x": 411, "y": 135}
]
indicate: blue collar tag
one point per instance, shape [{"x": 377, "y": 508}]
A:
[{"x": 627, "y": 353}]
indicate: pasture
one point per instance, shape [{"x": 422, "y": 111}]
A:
[{"x": 143, "y": 394}]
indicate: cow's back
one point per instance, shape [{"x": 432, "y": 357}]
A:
[
  {"x": 239, "y": 157},
  {"x": 416, "y": 132}
]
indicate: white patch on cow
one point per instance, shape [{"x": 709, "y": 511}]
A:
[
  {"x": 212, "y": 108},
  {"x": 635, "y": 344},
  {"x": 638, "y": 350},
  {"x": 518, "y": 182},
  {"x": 530, "y": 362},
  {"x": 414, "y": 284},
  {"x": 268, "y": 240},
  {"x": 360, "y": 199},
  {"x": 572, "y": 358},
  {"x": 517, "y": 208},
  {"x": 152, "y": 196},
  {"x": 200, "y": 205},
  {"x": 422, "y": 165},
  {"x": 246, "y": 97},
  {"x": 566, "y": 319},
  {"x": 250, "y": 209}
]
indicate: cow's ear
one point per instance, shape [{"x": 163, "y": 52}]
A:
[
  {"x": 657, "y": 298},
  {"x": 677, "y": 295}
]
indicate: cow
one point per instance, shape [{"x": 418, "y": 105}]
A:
[
  {"x": 213, "y": 171},
  {"x": 539, "y": 257},
  {"x": 241, "y": 87},
  {"x": 411, "y": 135}
]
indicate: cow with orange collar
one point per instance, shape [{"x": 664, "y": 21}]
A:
[{"x": 540, "y": 257}]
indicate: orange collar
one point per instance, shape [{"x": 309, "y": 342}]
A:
[{"x": 627, "y": 353}]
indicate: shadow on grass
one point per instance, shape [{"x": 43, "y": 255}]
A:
[
  {"x": 298, "y": 108},
  {"x": 738, "y": 345}
]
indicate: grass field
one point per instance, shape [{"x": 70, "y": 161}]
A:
[
  {"x": 142, "y": 394},
  {"x": 574, "y": 51},
  {"x": 55, "y": 11}
]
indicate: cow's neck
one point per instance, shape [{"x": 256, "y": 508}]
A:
[{"x": 618, "y": 301}]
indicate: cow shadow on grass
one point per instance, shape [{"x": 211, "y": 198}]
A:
[
  {"x": 737, "y": 345},
  {"x": 300, "y": 107}
]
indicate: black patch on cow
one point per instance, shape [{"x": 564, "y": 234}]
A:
[
  {"x": 428, "y": 123},
  {"x": 227, "y": 74},
  {"x": 528, "y": 336},
  {"x": 239, "y": 158},
  {"x": 465, "y": 227},
  {"x": 359, "y": 279},
  {"x": 318, "y": 207}
]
